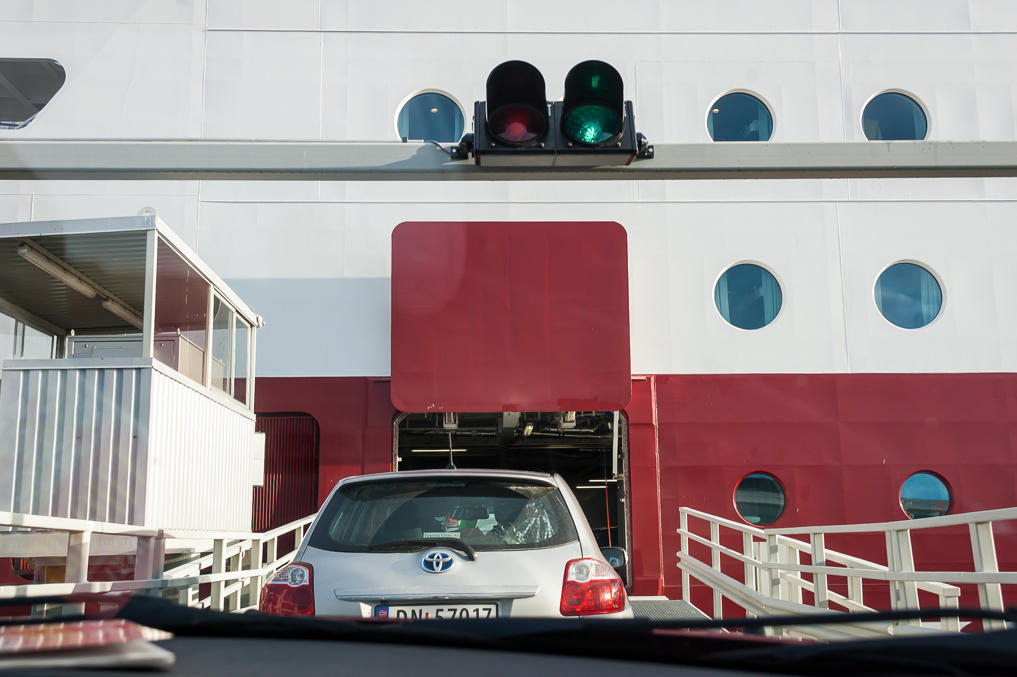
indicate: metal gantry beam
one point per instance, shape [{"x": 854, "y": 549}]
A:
[{"x": 142, "y": 159}]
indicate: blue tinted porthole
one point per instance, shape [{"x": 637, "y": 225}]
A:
[
  {"x": 748, "y": 296},
  {"x": 892, "y": 116},
  {"x": 430, "y": 116},
  {"x": 759, "y": 499},
  {"x": 739, "y": 117},
  {"x": 924, "y": 494},
  {"x": 908, "y": 295}
]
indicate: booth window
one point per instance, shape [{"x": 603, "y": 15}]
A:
[
  {"x": 222, "y": 349},
  {"x": 181, "y": 314},
  {"x": 26, "y": 86},
  {"x": 231, "y": 351},
  {"x": 241, "y": 360},
  {"x": 19, "y": 341}
]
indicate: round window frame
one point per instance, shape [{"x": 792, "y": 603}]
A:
[
  {"x": 406, "y": 100},
  {"x": 716, "y": 281},
  {"x": 930, "y": 271},
  {"x": 903, "y": 92},
  {"x": 756, "y": 95},
  {"x": 783, "y": 491},
  {"x": 949, "y": 492}
]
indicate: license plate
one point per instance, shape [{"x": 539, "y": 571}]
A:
[{"x": 420, "y": 611}]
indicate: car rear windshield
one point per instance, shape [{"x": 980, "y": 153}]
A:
[{"x": 485, "y": 513}]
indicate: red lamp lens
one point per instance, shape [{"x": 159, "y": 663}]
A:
[{"x": 517, "y": 124}]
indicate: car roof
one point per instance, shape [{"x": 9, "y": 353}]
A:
[{"x": 500, "y": 473}]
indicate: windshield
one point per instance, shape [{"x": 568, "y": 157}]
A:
[
  {"x": 487, "y": 514},
  {"x": 388, "y": 310}
]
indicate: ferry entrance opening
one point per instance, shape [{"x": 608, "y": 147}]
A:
[{"x": 588, "y": 449}]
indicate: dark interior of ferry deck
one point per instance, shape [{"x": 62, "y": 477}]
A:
[{"x": 580, "y": 450}]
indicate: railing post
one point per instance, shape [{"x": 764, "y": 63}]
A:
[
  {"x": 256, "y": 582},
  {"x": 856, "y": 592},
  {"x": 820, "y": 591},
  {"x": 769, "y": 554},
  {"x": 272, "y": 550},
  {"x": 718, "y": 601},
  {"x": 79, "y": 547},
  {"x": 983, "y": 550},
  {"x": 899, "y": 559},
  {"x": 794, "y": 556},
  {"x": 683, "y": 523},
  {"x": 218, "y": 567},
  {"x": 750, "y": 569},
  {"x": 952, "y": 623},
  {"x": 144, "y": 557},
  {"x": 232, "y": 600}
]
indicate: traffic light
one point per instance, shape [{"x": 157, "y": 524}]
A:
[
  {"x": 591, "y": 126},
  {"x": 597, "y": 125}
]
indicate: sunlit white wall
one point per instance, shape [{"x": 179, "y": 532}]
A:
[{"x": 313, "y": 258}]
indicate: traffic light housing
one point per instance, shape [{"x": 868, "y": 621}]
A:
[
  {"x": 512, "y": 127},
  {"x": 591, "y": 126}
]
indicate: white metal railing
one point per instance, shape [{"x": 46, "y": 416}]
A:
[
  {"x": 235, "y": 565},
  {"x": 774, "y": 577}
]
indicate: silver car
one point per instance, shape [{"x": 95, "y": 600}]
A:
[{"x": 449, "y": 544}]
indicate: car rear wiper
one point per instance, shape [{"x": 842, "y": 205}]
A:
[{"x": 420, "y": 543}]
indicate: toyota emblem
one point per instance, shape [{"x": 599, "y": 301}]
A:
[{"x": 437, "y": 562}]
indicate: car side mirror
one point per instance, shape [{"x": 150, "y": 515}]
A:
[{"x": 617, "y": 558}]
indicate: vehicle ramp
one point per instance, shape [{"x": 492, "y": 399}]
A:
[{"x": 664, "y": 609}]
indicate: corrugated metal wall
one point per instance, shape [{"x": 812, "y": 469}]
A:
[
  {"x": 290, "y": 490},
  {"x": 200, "y": 458},
  {"x": 73, "y": 441},
  {"x": 123, "y": 442}
]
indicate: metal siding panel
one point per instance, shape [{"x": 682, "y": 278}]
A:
[
  {"x": 291, "y": 470},
  {"x": 50, "y": 418},
  {"x": 25, "y": 455},
  {"x": 120, "y": 490},
  {"x": 68, "y": 445},
  {"x": 100, "y": 484},
  {"x": 88, "y": 398},
  {"x": 197, "y": 445},
  {"x": 139, "y": 447},
  {"x": 10, "y": 414}
]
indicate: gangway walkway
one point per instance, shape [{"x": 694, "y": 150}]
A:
[
  {"x": 176, "y": 564},
  {"x": 773, "y": 576}
]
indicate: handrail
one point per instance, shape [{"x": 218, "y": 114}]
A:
[{"x": 772, "y": 568}]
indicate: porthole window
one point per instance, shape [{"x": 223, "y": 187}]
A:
[
  {"x": 748, "y": 296},
  {"x": 908, "y": 295},
  {"x": 759, "y": 499},
  {"x": 739, "y": 117},
  {"x": 924, "y": 495},
  {"x": 26, "y": 86},
  {"x": 894, "y": 117},
  {"x": 430, "y": 117}
]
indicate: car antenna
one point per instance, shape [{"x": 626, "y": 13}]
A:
[{"x": 451, "y": 463}]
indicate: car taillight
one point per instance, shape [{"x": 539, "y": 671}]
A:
[
  {"x": 290, "y": 592},
  {"x": 591, "y": 587}
]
